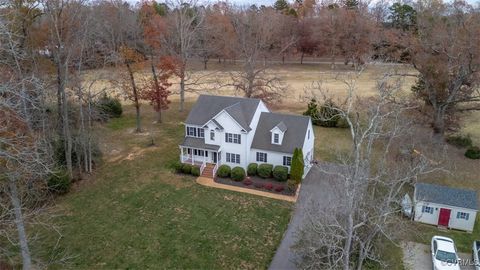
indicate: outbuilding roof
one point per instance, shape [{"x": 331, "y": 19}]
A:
[
  {"x": 463, "y": 198},
  {"x": 207, "y": 106},
  {"x": 295, "y": 127}
]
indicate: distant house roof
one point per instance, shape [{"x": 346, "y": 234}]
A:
[
  {"x": 445, "y": 195},
  {"x": 281, "y": 126},
  {"x": 198, "y": 143},
  {"x": 206, "y": 107},
  {"x": 295, "y": 127}
]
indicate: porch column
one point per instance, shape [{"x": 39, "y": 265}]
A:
[
  {"x": 193, "y": 163},
  {"x": 181, "y": 154}
]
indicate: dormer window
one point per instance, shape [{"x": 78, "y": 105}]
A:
[
  {"x": 278, "y": 132},
  {"x": 276, "y": 138}
]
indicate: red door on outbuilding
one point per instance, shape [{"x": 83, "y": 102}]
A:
[{"x": 444, "y": 217}]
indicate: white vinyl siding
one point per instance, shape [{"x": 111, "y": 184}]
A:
[{"x": 233, "y": 158}]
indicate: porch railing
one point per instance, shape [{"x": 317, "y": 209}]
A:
[
  {"x": 204, "y": 164},
  {"x": 215, "y": 170}
]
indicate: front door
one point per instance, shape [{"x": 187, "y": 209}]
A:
[
  {"x": 444, "y": 217},
  {"x": 214, "y": 157}
]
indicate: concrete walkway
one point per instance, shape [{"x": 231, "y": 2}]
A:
[{"x": 210, "y": 183}]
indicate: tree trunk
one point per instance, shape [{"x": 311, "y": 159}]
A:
[
  {"x": 62, "y": 74},
  {"x": 348, "y": 244},
  {"x": 438, "y": 124},
  {"x": 205, "y": 61},
  {"x": 157, "y": 88},
  {"x": 182, "y": 90},
  {"x": 19, "y": 223},
  {"x": 135, "y": 98},
  {"x": 283, "y": 58},
  {"x": 301, "y": 58}
]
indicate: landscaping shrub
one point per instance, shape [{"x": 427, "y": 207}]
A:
[
  {"x": 296, "y": 170},
  {"x": 247, "y": 182},
  {"x": 279, "y": 188},
  {"x": 312, "y": 111},
  {"x": 176, "y": 166},
  {"x": 268, "y": 186},
  {"x": 280, "y": 173},
  {"x": 265, "y": 170},
  {"x": 291, "y": 185},
  {"x": 187, "y": 168},
  {"x": 195, "y": 171},
  {"x": 223, "y": 171},
  {"x": 59, "y": 182},
  {"x": 252, "y": 169},
  {"x": 238, "y": 174},
  {"x": 459, "y": 140},
  {"x": 110, "y": 107},
  {"x": 258, "y": 185},
  {"x": 473, "y": 152}
]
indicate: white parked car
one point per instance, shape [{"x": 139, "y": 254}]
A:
[
  {"x": 476, "y": 254},
  {"x": 444, "y": 254}
]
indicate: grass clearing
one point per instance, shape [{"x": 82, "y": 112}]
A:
[{"x": 136, "y": 213}]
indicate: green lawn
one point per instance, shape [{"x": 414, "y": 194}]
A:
[{"x": 135, "y": 213}]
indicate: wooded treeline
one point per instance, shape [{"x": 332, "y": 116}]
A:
[{"x": 48, "y": 108}]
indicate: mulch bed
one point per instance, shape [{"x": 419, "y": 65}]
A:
[{"x": 257, "y": 183}]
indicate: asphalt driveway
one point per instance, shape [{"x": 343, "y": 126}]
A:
[{"x": 318, "y": 188}]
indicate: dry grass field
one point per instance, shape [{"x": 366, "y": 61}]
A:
[{"x": 135, "y": 170}]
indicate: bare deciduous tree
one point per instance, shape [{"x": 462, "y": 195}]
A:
[{"x": 374, "y": 176}]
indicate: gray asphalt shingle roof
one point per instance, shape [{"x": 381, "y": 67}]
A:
[
  {"x": 296, "y": 128},
  {"x": 207, "y": 106},
  {"x": 281, "y": 126},
  {"x": 446, "y": 195},
  {"x": 198, "y": 143}
]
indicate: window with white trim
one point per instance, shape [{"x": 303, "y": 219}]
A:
[
  {"x": 261, "y": 157},
  {"x": 195, "y": 132},
  {"x": 308, "y": 134},
  {"x": 233, "y": 138},
  {"x": 427, "y": 209},
  {"x": 233, "y": 158},
  {"x": 287, "y": 161},
  {"x": 192, "y": 131},
  {"x": 463, "y": 215},
  {"x": 212, "y": 135},
  {"x": 276, "y": 138}
]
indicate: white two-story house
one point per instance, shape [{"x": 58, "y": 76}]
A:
[{"x": 239, "y": 131}]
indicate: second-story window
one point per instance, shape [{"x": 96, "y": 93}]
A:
[
  {"x": 191, "y": 131},
  {"x": 276, "y": 138},
  {"x": 212, "y": 135},
  {"x": 233, "y": 138},
  {"x": 195, "y": 132}
]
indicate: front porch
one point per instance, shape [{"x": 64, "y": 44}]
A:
[{"x": 203, "y": 158}]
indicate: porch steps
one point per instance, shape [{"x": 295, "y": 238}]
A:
[{"x": 208, "y": 170}]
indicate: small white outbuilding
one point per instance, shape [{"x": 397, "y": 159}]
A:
[{"x": 445, "y": 207}]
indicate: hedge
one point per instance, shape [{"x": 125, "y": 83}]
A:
[
  {"x": 195, "y": 171},
  {"x": 223, "y": 171},
  {"x": 187, "y": 168},
  {"x": 265, "y": 170},
  {"x": 238, "y": 174},
  {"x": 473, "y": 152},
  {"x": 177, "y": 166},
  {"x": 280, "y": 173},
  {"x": 459, "y": 140},
  {"x": 252, "y": 169}
]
